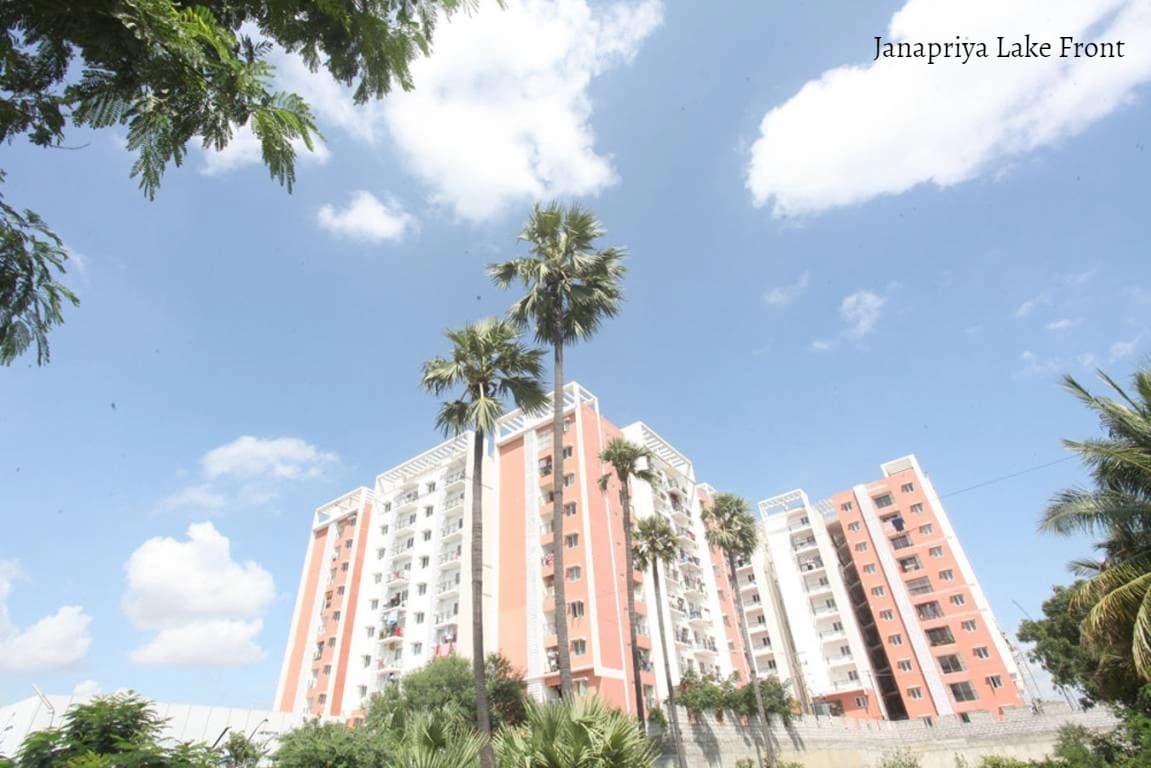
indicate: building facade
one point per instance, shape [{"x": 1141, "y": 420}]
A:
[{"x": 384, "y": 587}]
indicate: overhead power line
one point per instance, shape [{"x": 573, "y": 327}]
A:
[{"x": 995, "y": 480}]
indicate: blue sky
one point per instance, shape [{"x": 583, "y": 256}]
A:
[{"x": 898, "y": 259}]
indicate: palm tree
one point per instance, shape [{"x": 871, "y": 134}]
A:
[
  {"x": 571, "y": 289},
  {"x": 489, "y": 363},
  {"x": 731, "y": 529},
  {"x": 1118, "y": 587},
  {"x": 625, "y": 458},
  {"x": 655, "y": 543}
]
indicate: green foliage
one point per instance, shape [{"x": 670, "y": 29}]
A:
[
  {"x": 446, "y": 683},
  {"x": 438, "y": 740},
  {"x": 316, "y": 745},
  {"x": 1117, "y": 591},
  {"x": 656, "y": 717},
  {"x": 654, "y": 542},
  {"x": 730, "y": 525},
  {"x": 239, "y": 752},
  {"x": 998, "y": 761},
  {"x": 31, "y": 299},
  {"x": 580, "y": 733},
  {"x": 172, "y": 72},
  {"x": 700, "y": 695},
  {"x": 900, "y": 758},
  {"x": 118, "y": 731}
]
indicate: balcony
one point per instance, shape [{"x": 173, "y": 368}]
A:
[
  {"x": 395, "y": 637},
  {"x": 445, "y": 619},
  {"x": 829, "y": 635},
  {"x": 449, "y": 587},
  {"x": 398, "y": 578},
  {"x": 689, "y": 561},
  {"x": 452, "y": 530},
  {"x": 454, "y": 501},
  {"x": 455, "y": 477},
  {"x": 810, "y": 566},
  {"x": 839, "y": 661},
  {"x": 699, "y": 617},
  {"x": 804, "y": 545},
  {"x": 451, "y": 558},
  {"x": 685, "y": 534}
]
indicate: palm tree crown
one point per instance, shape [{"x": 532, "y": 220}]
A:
[
  {"x": 490, "y": 364},
  {"x": 655, "y": 542},
  {"x": 1119, "y": 510},
  {"x": 628, "y": 460},
  {"x": 730, "y": 525},
  {"x": 572, "y": 288}
]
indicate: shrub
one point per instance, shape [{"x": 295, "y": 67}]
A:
[
  {"x": 574, "y": 734},
  {"x": 655, "y": 716},
  {"x": 900, "y": 758}
]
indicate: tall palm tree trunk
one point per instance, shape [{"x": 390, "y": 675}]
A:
[
  {"x": 483, "y": 711},
  {"x": 771, "y": 758},
  {"x": 673, "y": 716},
  {"x": 629, "y": 565},
  {"x": 561, "y": 617}
]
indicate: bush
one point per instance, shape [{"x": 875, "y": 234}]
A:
[
  {"x": 900, "y": 758},
  {"x": 574, "y": 734},
  {"x": 999, "y": 761},
  {"x": 655, "y": 716}
]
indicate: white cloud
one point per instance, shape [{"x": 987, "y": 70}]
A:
[
  {"x": 205, "y": 607},
  {"x": 194, "y": 497},
  {"x": 500, "y": 113},
  {"x": 203, "y": 643},
  {"x": 86, "y": 689},
  {"x": 861, "y": 311},
  {"x": 1121, "y": 350},
  {"x": 1029, "y": 306},
  {"x": 278, "y": 457},
  {"x": 1062, "y": 324},
  {"x": 822, "y": 345},
  {"x": 786, "y": 294},
  {"x": 59, "y": 640},
  {"x": 244, "y": 150},
  {"x": 881, "y": 128},
  {"x": 366, "y": 219}
]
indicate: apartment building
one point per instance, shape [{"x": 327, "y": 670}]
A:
[
  {"x": 932, "y": 621},
  {"x": 384, "y": 585},
  {"x": 805, "y": 630},
  {"x": 591, "y": 532},
  {"x": 868, "y": 606}
]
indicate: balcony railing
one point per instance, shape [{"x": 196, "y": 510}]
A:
[{"x": 454, "y": 477}]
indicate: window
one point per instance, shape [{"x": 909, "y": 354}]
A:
[
  {"x": 371, "y": 631},
  {"x": 573, "y": 573},
  {"x": 853, "y": 526},
  {"x": 878, "y": 591},
  {"x": 377, "y": 577},
  {"x": 883, "y": 501},
  {"x": 886, "y": 615},
  {"x": 419, "y": 618},
  {"x": 363, "y": 691},
  {"x": 348, "y": 543},
  {"x": 421, "y": 589},
  {"x": 909, "y": 564},
  {"x": 569, "y": 509},
  {"x": 946, "y": 575},
  {"x": 375, "y": 604},
  {"x": 432, "y": 486},
  {"x": 417, "y": 649},
  {"x": 982, "y": 653},
  {"x": 860, "y": 702},
  {"x": 323, "y": 698},
  {"x": 411, "y": 542},
  {"x": 940, "y": 636},
  {"x": 568, "y": 479},
  {"x": 340, "y": 591},
  {"x": 571, "y": 541},
  {"x": 844, "y": 650},
  {"x": 336, "y": 616},
  {"x": 380, "y": 553},
  {"x": 567, "y": 452},
  {"x": 424, "y": 560},
  {"x": 771, "y": 663},
  {"x": 914, "y": 693},
  {"x": 905, "y": 665},
  {"x": 579, "y": 647},
  {"x": 917, "y": 509},
  {"x": 969, "y": 625},
  {"x": 366, "y": 661},
  {"x": 852, "y": 674},
  {"x": 935, "y": 551},
  {"x": 895, "y": 639},
  {"x": 327, "y": 669},
  {"x": 576, "y": 609},
  {"x": 901, "y": 542},
  {"x": 994, "y": 681},
  {"x": 869, "y": 568},
  {"x": 963, "y": 692},
  {"x": 926, "y": 529},
  {"x": 929, "y": 610},
  {"x": 846, "y": 506},
  {"x": 861, "y": 546},
  {"x": 427, "y": 535},
  {"x": 429, "y": 511},
  {"x": 907, "y": 487},
  {"x": 950, "y": 663},
  {"x": 958, "y": 600},
  {"x": 920, "y": 586}
]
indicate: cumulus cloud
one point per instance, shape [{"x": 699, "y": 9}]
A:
[
  {"x": 1062, "y": 324},
  {"x": 249, "y": 472},
  {"x": 86, "y": 689},
  {"x": 881, "y": 128},
  {"x": 278, "y": 457},
  {"x": 58, "y": 640},
  {"x": 500, "y": 113},
  {"x": 786, "y": 294},
  {"x": 205, "y": 608},
  {"x": 860, "y": 313},
  {"x": 244, "y": 150},
  {"x": 366, "y": 219}
]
